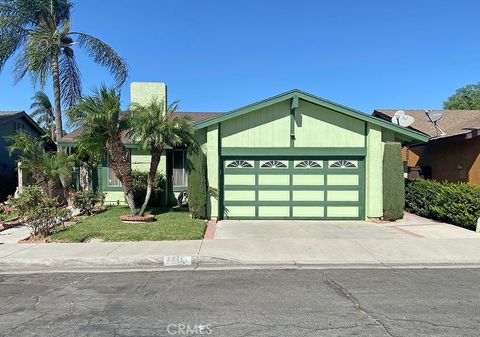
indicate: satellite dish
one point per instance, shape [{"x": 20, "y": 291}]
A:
[
  {"x": 400, "y": 118},
  {"x": 434, "y": 116},
  {"x": 406, "y": 121}
]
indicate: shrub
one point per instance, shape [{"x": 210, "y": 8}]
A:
[
  {"x": 455, "y": 203},
  {"x": 393, "y": 182},
  {"x": 140, "y": 188},
  {"x": 41, "y": 213},
  {"x": 86, "y": 201},
  {"x": 197, "y": 185}
]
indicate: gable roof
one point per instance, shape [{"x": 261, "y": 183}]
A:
[
  {"x": 7, "y": 116},
  {"x": 453, "y": 123},
  {"x": 411, "y": 134},
  {"x": 196, "y": 117}
]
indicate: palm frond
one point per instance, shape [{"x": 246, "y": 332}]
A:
[
  {"x": 104, "y": 55},
  {"x": 70, "y": 78}
]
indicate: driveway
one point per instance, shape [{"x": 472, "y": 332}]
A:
[{"x": 412, "y": 226}]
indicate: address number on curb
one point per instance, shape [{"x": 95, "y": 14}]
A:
[{"x": 177, "y": 260}]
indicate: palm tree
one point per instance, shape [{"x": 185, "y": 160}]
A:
[
  {"x": 43, "y": 112},
  {"x": 45, "y": 168},
  {"x": 41, "y": 31},
  {"x": 103, "y": 127},
  {"x": 156, "y": 126}
]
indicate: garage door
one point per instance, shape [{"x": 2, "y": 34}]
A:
[{"x": 300, "y": 188}]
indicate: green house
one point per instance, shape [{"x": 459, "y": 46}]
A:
[{"x": 291, "y": 156}]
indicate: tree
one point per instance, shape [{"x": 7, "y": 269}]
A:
[
  {"x": 156, "y": 126},
  {"x": 103, "y": 127},
  {"x": 465, "y": 98},
  {"x": 40, "y": 30},
  {"x": 43, "y": 112},
  {"x": 197, "y": 184},
  {"x": 45, "y": 168}
]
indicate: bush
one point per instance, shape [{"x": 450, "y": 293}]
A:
[
  {"x": 86, "y": 201},
  {"x": 197, "y": 185},
  {"x": 393, "y": 182},
  {"x": 455, "y": 203},
  {"x": 41, "y": 213},
  {"x": 140, "y": 188}
]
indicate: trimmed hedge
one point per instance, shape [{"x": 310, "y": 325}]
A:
[
  {"x": 197, "y": 185},
  {"x": 158, "y": 195},
  {"x": 455, "y": 203},
  {"x": 393, "y": 182}
]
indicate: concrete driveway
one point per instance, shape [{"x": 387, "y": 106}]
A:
[{"x": 411, "y": 226}]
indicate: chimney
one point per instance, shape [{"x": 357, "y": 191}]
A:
[{"x": 143, "y": 92}]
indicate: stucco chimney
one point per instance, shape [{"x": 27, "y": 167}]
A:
[{"x": 143, "y": 92}]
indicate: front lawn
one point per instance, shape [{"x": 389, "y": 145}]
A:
[{"x": 171, "y": 224}]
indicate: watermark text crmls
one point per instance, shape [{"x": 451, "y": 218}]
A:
[{"x": 181, "y": 329}]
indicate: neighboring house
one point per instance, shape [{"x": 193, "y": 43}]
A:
[
  {"x": 453, "y": 157},
  {"x": 291, "y": 156},
  {"x": 10, "y": 123}
]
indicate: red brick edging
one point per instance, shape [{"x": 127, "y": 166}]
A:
[{"x": 210, "y": 232}]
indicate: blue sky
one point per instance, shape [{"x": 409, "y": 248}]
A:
[{"x": 220, "y": 55}]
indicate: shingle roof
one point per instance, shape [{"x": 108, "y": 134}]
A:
[
  {"x": 195, "y": 116},
  {"x": 453, "y": 122},
  {"x": 8, "y": 114}
]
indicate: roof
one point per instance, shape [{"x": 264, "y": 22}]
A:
[
  {"x": 413, "y": 136},
  {"x": 454, "y": 122},
  {"x": 196, "y": 117},
  {"x": 7, "y": 116}
]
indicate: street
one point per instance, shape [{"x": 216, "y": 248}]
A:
[{"x": 359, "y": 302}]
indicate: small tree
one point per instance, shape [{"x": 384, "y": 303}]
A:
[
  {"x": 197, "y": 184},
  {"x": 393, "y": 182},
  {"x": 45, "y": 168},
  {"x": 155, "y": 126},
  {"x": 103, "y": 128},
  {"x": 43, "y": 112}
]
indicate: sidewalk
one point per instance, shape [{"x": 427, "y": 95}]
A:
[{"x": 293, "y": 253}]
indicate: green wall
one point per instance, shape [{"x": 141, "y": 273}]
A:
[{"x": 313, "y": 127}]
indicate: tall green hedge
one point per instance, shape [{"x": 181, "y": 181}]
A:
[
  {"x": 455, "y": 203},
  {"x": 197, "y": 185},
  {"x": 393, "y": 182}
]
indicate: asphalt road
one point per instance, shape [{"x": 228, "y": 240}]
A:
[{"x": 428, "y": 302}]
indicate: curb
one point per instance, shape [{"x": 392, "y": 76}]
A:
[{"x": 210, "y": 231}]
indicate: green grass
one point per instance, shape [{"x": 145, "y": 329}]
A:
[{"x": 170, "y": 225}]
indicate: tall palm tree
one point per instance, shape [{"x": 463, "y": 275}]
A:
[
  {"x": 41, "y": 31},
  {"x": 43, "y": 112},
  {"x": 156, "y": 126},
  {"x": 103, "y": 127}
]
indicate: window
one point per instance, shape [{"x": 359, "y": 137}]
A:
[
  {"x": 112, "y": 180},
  {"x": 343, "y": 164},
  {"x": 240, "y": 163},
  {"x": 179, "y": 168},
  {"x": 273, "y": 164},
  {"x": 308, "y": 164}
]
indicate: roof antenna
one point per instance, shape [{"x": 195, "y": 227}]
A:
[{"x": 434, "y": 116}]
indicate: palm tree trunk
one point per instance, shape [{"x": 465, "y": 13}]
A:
[
  {"x": 56, "y": 95},
  {"x": 120, "y": 164},
  {"x": 156, "y": 154}
]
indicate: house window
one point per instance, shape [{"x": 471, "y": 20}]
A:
[
  {"x": 273, "y": 164},
  {"x": 179, "y": 168},
  {"x": 112, "y": 180},
  {"x": 240, "y": 163},
  {"x": 343, "y": 164}
]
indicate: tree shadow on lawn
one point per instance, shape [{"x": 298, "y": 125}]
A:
[{"x": 163, "y": 210}]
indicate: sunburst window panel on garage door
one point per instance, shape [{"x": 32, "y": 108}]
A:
[{"x": 295, "y": 188}]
